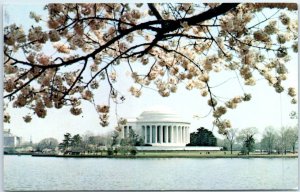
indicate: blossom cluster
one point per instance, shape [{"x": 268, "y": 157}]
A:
[
  {"x": 89, "y": 39},
  {"x": 27, "y": 118},
  {"x": 103, "y": 111},
  {"x": 223, "y": 125}
]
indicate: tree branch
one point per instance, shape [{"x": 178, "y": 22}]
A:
[
  {"x": 25, "y": 84},
  {"x": 154, "y": 11}
]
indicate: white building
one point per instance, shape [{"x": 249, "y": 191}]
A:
[
  {"x": 159, "y": 127},
  {"x": 10, "y": 140}
]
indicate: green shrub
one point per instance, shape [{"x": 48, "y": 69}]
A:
[
  {"x": 110, "y": 151},
  {"x": 133, "y": 152},
  {"x": 116, "y": 151}
]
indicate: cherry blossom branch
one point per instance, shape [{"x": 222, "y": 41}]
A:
[
  {"x": 76, "y": 80},
  {"x": 250, "y": 45},
  {"x": 263, "y": 20},
  {"x": 168, "y": 26},
  {"x": 25, "y": 84},
  {"x": 115, "y": 59}
]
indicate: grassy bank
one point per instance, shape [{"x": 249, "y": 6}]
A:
[
  {"x": 177, "y": 154},
  {"x": 211, "y": 154}
]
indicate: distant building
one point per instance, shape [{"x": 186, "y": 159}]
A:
[
  {"x": 160, "y": 127},
  {"x": 10, "y": 140},
  {"x": 163, "y": 130}
]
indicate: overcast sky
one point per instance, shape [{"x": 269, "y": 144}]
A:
[{"x": 267, "y": 108}]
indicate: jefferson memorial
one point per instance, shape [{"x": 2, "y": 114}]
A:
[{"x": 159, "y": 126}]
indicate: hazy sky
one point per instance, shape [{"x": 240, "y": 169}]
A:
[{"x": 266, "y": 107}]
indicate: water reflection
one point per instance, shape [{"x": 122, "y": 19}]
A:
[{"x": 50, "y": 173}]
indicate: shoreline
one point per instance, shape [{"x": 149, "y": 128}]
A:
[{"x": 161, "y": 155}]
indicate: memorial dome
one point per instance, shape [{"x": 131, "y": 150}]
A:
[{"x": 160, "y": 114}]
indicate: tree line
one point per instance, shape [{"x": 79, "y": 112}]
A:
[
  {"x": 279, "y": 141},
  {"x": 111, "y": 144},
  {"x": 245, "y": 140}
]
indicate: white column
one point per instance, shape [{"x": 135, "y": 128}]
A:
[
  {"x": 182, "y": 134},
  {"x": 189, "y": 135},
  {"x": 170, "y": 134},
  {"x": 179, "y": 134},
  {"x": 155, "y": 136},
  {"x": 176, "y": 134}
]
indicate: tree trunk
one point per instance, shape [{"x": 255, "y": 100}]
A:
[
  {"x": 293, "y": 149},
  {"x": 231, "y": 148}
]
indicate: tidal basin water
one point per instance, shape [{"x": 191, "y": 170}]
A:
[{"x": 50, "y": 173}]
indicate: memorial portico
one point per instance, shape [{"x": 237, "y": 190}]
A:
[{"x": 160, "y": 128}]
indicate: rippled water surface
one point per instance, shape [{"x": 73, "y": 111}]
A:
[{"x": 50, "y": 173}]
